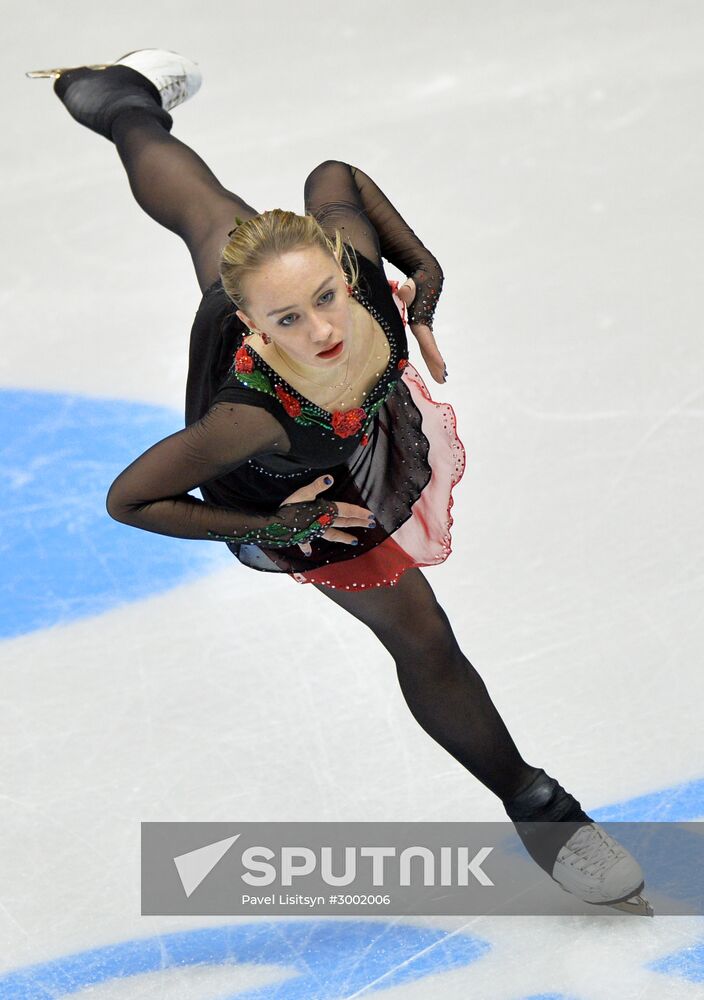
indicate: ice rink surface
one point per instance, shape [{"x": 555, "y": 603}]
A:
[{"x": 550, "y": 155}]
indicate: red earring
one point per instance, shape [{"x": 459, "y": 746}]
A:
[{"x": 265, "y": 336}]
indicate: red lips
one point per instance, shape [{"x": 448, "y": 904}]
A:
[{"x": 330, "y": 351}]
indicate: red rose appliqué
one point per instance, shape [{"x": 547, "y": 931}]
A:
[
  {"x": 243, "y": 362},
  {"x": 347, "y": 424},
  {"x": 290, "y": 403},
  {"x": 402, "y": 364}
]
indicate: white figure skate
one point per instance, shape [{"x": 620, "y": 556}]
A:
[
  {"x": 596, "y": 868},
  {"x": 174, "y": 76},
  {"x": 574, "y": 850}
]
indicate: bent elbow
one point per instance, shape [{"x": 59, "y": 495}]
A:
[
  {"x": 113, "y": 509},
  {"x": 118, "y": 508},
  {"x": 321, "y": 169}
]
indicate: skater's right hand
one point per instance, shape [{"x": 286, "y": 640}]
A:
[{"x": 349, "y": 514}]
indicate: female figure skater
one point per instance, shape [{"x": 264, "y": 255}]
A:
[{"x": 305, "y": 388}]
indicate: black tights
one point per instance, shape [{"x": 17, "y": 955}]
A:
[
  {"x": 442, "y": 689},
  {"x": 178, "y": 189},
  {"x": 444, "y": 692}
]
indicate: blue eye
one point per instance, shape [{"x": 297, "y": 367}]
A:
[{"x": 331, "y": 292}]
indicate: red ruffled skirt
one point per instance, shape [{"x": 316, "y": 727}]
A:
[{"x": 424, "y": 539}]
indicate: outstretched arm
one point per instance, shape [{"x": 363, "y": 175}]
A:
[{"x": 152, "y": 492}]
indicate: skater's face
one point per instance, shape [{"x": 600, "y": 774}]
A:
[{"x": 300, "y": 300}]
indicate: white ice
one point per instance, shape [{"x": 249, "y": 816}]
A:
[{"x": 550, "y": 155}]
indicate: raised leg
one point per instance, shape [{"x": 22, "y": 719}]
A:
[
  {"x": 177, "y": 189},
  {"x": 444, "y": 692}
]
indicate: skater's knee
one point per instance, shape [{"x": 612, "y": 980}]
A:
[{"x": 426, "y": 639}]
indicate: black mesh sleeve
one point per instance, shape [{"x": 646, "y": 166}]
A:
[
  {"x": 331, "y": 195},
  {"x": 152, "y": 492},
  {"x": 402, "y": 248},
  {"x": 344, "y": 197}
]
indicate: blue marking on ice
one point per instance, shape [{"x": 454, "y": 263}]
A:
[
  {"x": 333, "y": 958},
  {"x": 687, "y": 963},
  {"x": 548, "y": 996},
  {"x": 671, "y": 862},
  {"x": 63, "y": 556},
  {"x": 678, "y": 804}
]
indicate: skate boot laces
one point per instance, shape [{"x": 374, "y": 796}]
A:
[
  {"x": 175, "y": 77},
  {"x": 598, "y": 869},
  {"x": 174, "y": 90},
  {"x": 592, "y": 851}
]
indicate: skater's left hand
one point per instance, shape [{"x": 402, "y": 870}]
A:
[{"x": 423, "y": 334}]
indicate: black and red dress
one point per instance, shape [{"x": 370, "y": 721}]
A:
[{"x": 399, "y": 455}]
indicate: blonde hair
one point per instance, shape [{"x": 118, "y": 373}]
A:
[{"x": 269, "y": 234}]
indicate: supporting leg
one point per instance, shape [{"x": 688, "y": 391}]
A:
[
  {"x": 450, "y": 701},
  {"x": 444, "y": 692}
]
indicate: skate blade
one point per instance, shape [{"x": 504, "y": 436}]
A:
[
  {"x": 637, "y": 905},
  {"x": 37, "y": 74}
]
